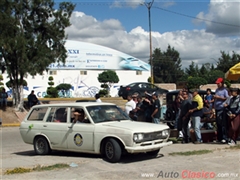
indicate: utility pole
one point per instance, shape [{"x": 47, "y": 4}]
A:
[{"x": 149, "y": 5}]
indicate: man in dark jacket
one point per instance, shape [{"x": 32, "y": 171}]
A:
[
  {"x": 156, "y": 109},
  {"x": 184, "y": 116},
  {"x": 32, "y": 99}
]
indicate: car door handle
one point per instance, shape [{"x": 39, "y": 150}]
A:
[{"x": 44, "y": 125}]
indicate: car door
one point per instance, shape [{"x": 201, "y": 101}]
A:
[
  {"x": 80, "y": 136},
  {"x": 152, "y": 88},
  {"x": 33, "y": 124},
  {"x": 55, "y": 130}
]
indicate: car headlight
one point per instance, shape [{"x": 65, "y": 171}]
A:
[
  {"x": 165, "y": 133},
  {"x": 138, "y": 137}
]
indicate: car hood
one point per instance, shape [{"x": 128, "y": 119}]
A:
[{"x": 137, "y": 126}]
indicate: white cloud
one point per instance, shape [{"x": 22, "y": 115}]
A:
[
  {"x": 127, "y": 3},
  {"x": 193, "y": 45},
  {"x": 226, "y": 13}
]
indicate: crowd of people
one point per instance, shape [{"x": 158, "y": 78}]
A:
[
  {"x": 146, "y": 109},
  {"x": 193, "y": 112}
]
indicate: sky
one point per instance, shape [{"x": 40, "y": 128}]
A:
[{"x": 198, "y": 29}]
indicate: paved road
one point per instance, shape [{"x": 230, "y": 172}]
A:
[{"x": 15, "y": 153}]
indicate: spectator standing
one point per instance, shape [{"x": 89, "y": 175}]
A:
[
  {"x": 209, "y": 97},
  {"x": 178, "y": 101},
  {"x": 130, "y": 105},
  {"x": 184, "y": 116},
  {"x": 196, "y": 114},
  {"x": 208, "y": 114},
  {"x": 139, "y": 111},
  {"x": 156, "y": 109},
  {"x": 97, "y": 97},
  {"x": 32, "y": 99},
  {"x": 178, "y": 125},
  {"x": 221, "y": 94},
  {"x": 147, "y": 107},
  {"x": 234, "y": 116},
  {"x": 3, "y": 96}
]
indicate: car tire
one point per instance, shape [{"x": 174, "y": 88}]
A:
[
  {"x": 171, "y": 125},
  {"x": 41, "y": 146},
  {"x": 153, "y": 153},
  {"x": 112, "y": 150},
  {"x": 170, "y": 114}
]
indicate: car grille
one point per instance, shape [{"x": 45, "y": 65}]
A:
[{"x": 152, "y": 136}]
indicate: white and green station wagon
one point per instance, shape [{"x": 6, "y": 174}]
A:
[{"x": 105, "y": 130}]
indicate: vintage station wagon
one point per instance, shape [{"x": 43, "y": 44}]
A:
[{"x": 105, "y": 130}]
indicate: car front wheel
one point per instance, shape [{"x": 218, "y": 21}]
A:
[
  {"x": 41, "y": 146},
  {"x": 112, "y": 150}
]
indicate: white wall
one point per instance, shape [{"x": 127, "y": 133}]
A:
[{"x": 82, "y": 85}]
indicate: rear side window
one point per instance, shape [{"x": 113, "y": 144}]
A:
[{"x": 37, "y": 114}]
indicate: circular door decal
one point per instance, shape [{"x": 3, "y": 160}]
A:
[{"x": 78, "y": 140}]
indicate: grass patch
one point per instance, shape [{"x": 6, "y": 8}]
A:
[
  {"x": 19, "y": 170},
  {"x": 234, "y": 147},
  {"x": 190, "y": 153}
]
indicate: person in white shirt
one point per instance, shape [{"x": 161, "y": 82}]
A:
[
  {"x": 97, "y": 97},
  {"x": 130, "y": 105}
]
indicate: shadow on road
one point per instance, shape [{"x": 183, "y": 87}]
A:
[
  {"x": 132, "y": 158},
  {"x": 125, "y": 159}
]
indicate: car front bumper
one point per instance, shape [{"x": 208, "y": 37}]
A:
[{"x": 147, "y": 148}]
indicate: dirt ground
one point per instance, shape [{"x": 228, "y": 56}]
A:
[{"x": 8, "y": 115}]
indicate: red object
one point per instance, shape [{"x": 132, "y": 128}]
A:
[{"x": 219, "y": 80}]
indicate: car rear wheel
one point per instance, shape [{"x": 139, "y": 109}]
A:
[
  {"x": 41, "y": 146},
  {"x": 112, "y": 150}
]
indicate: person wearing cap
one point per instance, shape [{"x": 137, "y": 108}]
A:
[
  {"x": 196, "y": 114},
  {"x": 156, "y": 108},
  {"x": 221, "y": 94},
  {"x": 233, "y": 112}
]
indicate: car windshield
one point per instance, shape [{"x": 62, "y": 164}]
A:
[{"x": 106, "y": 113}]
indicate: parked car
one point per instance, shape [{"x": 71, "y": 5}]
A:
[
  {"x": 139, "y": 88},
  {"x": 105, "y": 130},
  {"x": 170, "y": 114}
]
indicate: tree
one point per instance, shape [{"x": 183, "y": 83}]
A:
[
  {"x": 192, "y": 70},
  {"x": 108, "y": 78},
  {"x": 50, "y": 83},
  {"x": 32, "y": 37},
  {"x": 226, "y": 61},
  {"x": 166, "y": 66},
  {"x": 52, "y": 92},
  {"x": 64, "y": 88},
  {"x": 195, "y": 82}
]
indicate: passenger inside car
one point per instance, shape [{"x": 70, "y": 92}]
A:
[
  {"x": 79, "y": 116},
  {"x": 60, "y": 115}
]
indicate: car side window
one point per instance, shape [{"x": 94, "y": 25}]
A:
[
  {"x": 37, "y": 114},
  {"x": 143, "y": 86},
  {"x": 57, "y": 114}
]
